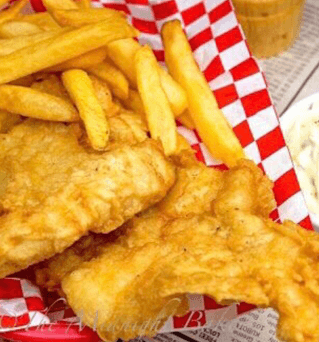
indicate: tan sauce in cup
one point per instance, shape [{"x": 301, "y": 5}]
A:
[{"x": 303, "y": 141}]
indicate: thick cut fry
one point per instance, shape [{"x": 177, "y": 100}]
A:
[
  {"x": 8, "y": 46},
  {"x": 52, "y": 5},
  {"x": 57, "y": 50},
  {"x": 80, "y": 87},
  {"x": 43, "y": 20},
  {"x": 122, "y": 53},
  {"x": 104, "y": 95},
  {"x": 13, "y": 11},
  {"x": 209, "y": 120},
  {"x": 78, "y": 18},
  {"x": 36, "y": 104},
  {"x": 18, "y": 28},
  {"x": 8, "y": 120},
  {"x": 113, "y": 77},
  {"x": 134, "y": 102},
  {"x": 186, "y": 120},
  {"x": 159, "y": 115},
  {"x": 51, "y": 84},
  {"x": 85, "y": 4},
  {"x": 84, "y": 61}
]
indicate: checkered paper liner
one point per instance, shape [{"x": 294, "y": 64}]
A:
[{"x": 221, "y": 51}]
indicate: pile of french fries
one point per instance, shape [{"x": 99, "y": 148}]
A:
[{"x": 75, "y": 63}]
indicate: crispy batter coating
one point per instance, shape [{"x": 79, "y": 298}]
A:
[
  {"x": 234, "y": 253},
  {"x": 55, "y": 191}
]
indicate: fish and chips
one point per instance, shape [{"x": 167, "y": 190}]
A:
[{"x": 107, "y": 202}]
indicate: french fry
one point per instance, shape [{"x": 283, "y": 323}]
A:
[
  {"x": 8, "y": 120},
  {"x": 104, "y": 95},
  {"x": 186, "y": 120},
  {"x": 43, "y": 20},
  {"x": 51, "y": 84},
  {"x": 52, "y": 5},
  {"x": 78, "y": 18},
  {"x": 80, "y": 88},
  {"x": 113, "y": 77},
  {"x": 159, "y": 115},
  {"x": 10, "y": 45},
  {"x": 17, "y": 28},
  {"x": 36, "y": 104},
  {"x": 85, "y": 4},
  {"x": 134, "y": 102},
  {"x": 209, "y": 120},
  {"x": 122, "y": 54},
  {"x": 68, "y": 45},
  {"x": 84, "y": 61},
  {"x": 13, "y": 11}
]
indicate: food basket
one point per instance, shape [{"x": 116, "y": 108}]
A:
[{"x": 240, "y": 88}]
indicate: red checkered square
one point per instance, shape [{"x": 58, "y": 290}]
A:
[
  {"x": 306, "y": 223},
  {"x": 245, "y": 69},
  {"x": 244, "y": 134},
  {"x": 118, "y": 6},
  {"x": 201, "y": 38},
  {"x": 226, "y": 95},
  {"x": 228, "y": 39},
  {"x": 193, "y": 13},
  {"x": 255, "y": 102},
  {"x": 10, "y": 288},
  {"x": 244, "y": 307},
  {"x": 286, "y": 186},
  {"x": 220, "y": 11},
  {"x": 214, "y": 69},
  {"x": 145, "y": 25},
  {"x": 34, "y": 304},
  {"x": 270, "y": 143},
  {"x": 164, "y": 9}
]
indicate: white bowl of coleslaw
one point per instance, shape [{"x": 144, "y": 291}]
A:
[{"x": 300, "y": 125}]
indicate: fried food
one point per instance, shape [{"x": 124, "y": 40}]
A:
[
  {"x": 159, "y": 115},
  {"x": 84, "y": 61},
  {"x": 70, "y": 44},
  {"x": 170, "y": 243},
  {"x": 209, "y": 120},
  {"x": 36, "y": 104},
  {"x": 8, "y": 120},
  {"x": 13, "y": 11},
  {"x": 235, "y": 253},
  {"x": 122, "y": 53},
  {"x": 18, "y": 28},
  {"x": 41, "y": 19},
  {"x": 80, "y": 88},
  {"x": 78, "y": 18},
  {"x": 66, "y": 190},
  {"x": 113, "y": 77}
]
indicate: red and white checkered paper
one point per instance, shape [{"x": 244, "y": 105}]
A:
[{"x": 240, "y": 88}]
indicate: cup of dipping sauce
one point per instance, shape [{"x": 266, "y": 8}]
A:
[{"x": 270, "y": 26}]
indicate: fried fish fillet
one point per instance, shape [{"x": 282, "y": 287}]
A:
[
  {"x": 195, "y": 183},
  {"x": 234, "y": 253},
  {"x": 55, "y": 191}
]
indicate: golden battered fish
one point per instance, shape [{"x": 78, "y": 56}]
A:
[
  {"x": 233, "y": 254},
  {"x": 55, "y": 190}
]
